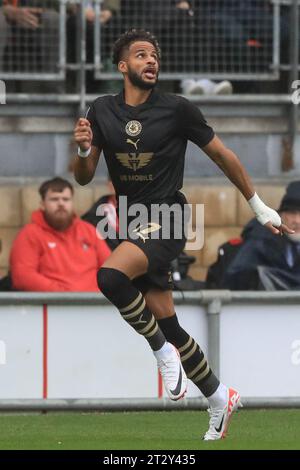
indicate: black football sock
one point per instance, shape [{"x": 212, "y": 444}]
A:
[
  {"x": 118, "y": 288},
  {"x": 192, "y": 358}
]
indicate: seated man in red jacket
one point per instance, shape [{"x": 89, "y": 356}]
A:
[{"x": 57, "y": 251}]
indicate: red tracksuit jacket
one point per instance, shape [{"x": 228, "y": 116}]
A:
[{"x": 43, "y": 259}]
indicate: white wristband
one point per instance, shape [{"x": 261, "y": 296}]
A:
[
  {"x": 264, "y": 213},
  {"x": 84, "y": 153}
]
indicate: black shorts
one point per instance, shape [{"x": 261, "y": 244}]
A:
[{"x": 162, "y": 239}]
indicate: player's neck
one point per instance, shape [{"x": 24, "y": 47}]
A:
[{"x": 134, "y": 96}]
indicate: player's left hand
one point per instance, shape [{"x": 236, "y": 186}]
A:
[
  {"x": 283, "y": 228},
  {"x": 268, "y": 217}
]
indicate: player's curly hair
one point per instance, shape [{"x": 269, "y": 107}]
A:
[{"x": 130, "y": 36}]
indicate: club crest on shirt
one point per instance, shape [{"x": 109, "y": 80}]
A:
[{"x": 133, "y": 128}]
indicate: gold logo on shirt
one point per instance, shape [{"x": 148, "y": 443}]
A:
[
  {"x": 133, "y": 128},
  {"x": 142, "y": 231},
  {"x": 129, "y": 141},
  {"x": 134, "y": 161}
]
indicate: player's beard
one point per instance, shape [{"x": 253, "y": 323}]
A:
[{"x": 138, "y": 82}]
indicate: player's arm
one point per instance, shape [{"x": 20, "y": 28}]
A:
[
  {"x": 231, "y": 166},
  {"x": 86, "y": 161}
]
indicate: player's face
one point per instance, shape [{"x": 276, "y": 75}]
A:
[
  {"x": 58, "y": 208},
  {"x": 141, "y": 65}
]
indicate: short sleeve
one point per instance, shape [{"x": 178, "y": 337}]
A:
[
  {"x": 193, "y": 125},
  {"x": 98, "y": 139}
]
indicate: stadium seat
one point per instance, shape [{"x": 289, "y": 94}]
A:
[
  {"x": 10, "y": 211},
  {"x": 7, "y": 235},
  {"x": 219, "y": 203}
]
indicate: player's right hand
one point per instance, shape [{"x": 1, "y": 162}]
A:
[{"x": 83, "y": 134}]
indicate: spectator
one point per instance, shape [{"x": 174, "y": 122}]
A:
[
  {"x": 231, "y": 37},
  {"x": 3, "y": 32},
  {"x": 29, "y": 30},
  {"x": 242, "y": 23},
  {"x": 172, "y": 21},
  {"x": 205, "y": 86},
  {"x": 110, "y": 24},
  {"x": 108, "y": 19},
  {"x": 263, "y": 261},
  {"x": 57, "y": 251}
]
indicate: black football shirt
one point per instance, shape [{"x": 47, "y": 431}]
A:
[{"x": 144, "y": 146}]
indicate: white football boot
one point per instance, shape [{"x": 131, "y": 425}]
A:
[
  {"x": 220, "y": 417},
  {"x": 173, "y": 375}
]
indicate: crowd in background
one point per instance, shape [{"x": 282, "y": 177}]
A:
[{"x": 178, "y": 24}]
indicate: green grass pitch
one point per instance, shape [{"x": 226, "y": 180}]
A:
[{"x": 176, "y": 430}]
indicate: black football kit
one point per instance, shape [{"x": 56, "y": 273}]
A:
[{"x": 144, "y": 147}]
